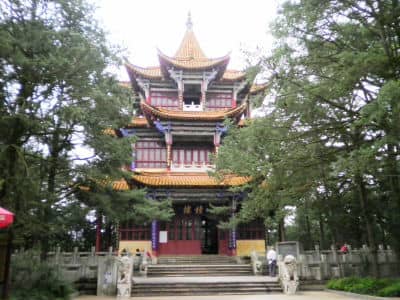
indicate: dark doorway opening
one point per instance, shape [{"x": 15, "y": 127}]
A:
[
  {"x": 192, "y": 94},
  {"x": 209, "y": 236}
]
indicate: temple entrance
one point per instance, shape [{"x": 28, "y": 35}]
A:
[{"x": 209, "y": 236}]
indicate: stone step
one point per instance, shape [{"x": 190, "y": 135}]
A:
[
  {"x": 198, "y": 270},
  {"x": 204, "y": 259},
  {"x": 199, "y": 274},
  {"x": 86, "y": 286},
  {"x": 204, "y": 288},
  {"x": 195, "y": 266}
]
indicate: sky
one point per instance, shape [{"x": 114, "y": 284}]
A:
[{"x": 221, "y": 27}]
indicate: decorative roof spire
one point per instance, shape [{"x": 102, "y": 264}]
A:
[{"x": 189, "y": 23}]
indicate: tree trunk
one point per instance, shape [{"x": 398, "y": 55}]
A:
[
  {"x": 108, "y": 235},
  {"x": 98, "y": 232},
  {"x": 51, "y": 189},
  {"x": 394, "y": 205},
  {"x": 308, "y": 230},
  {"x": 281, "y": 231},
  {"x": 322, "y": 233},
  {"x": 368, "y": 220}
]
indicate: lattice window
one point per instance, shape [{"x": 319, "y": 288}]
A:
[
  {"x": 251, "y": 231},
  {"x": 196, "y": 156},
  {"x": 167, "y": 100},
  {"x": 218, "y": 101},
  {"x": 128, "y": 231},
  {"x": 184, "y": 228},
  {"x": 150, "y": 154}
]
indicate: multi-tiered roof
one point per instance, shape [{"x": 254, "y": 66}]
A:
[{"x": 188, "y": 69}]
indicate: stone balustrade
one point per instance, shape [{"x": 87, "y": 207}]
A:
[{"x": 327, "y": 264}]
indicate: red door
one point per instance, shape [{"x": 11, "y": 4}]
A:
[
  {"x": 222, "y": 242},
  {"x": 183, "y": 236}
]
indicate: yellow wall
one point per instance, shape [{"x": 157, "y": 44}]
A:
[
  {"x": 245, "y": 247},
  {"x": 131, "y": 246}
]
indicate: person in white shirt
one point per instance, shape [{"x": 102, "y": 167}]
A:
[{"x": 271, "y": 258}]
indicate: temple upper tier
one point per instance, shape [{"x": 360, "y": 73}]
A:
[
  {"x": 178, "y": 129},
  {"x": 191, "y": 86}
]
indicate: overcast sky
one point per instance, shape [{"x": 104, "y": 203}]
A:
[{"x": 221, "y": 26}]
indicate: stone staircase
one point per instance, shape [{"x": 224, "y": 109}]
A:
[
  {"x": 199, "y": 270},
  {"x": 202, "y": 275},
  {"x": 197, "y": 260},
  {"x": 86, "y": 286},
  {"x": 204, "y": 288}
]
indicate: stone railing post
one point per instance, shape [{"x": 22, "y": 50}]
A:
[
  {"x": 317, "y": 252},
  {"x": 75, "y": 256},
  {"x": 144, "y": 264},
  {"x": 57, "y": 256},
  {"x": 124, "y": 278},
  {"x": 255, "y": 263},
  {"x": 305, "y": 271},
  {"x": 325, "y": 271},
  {"x": 337, "y": 270},
  {"x": 107, "y": 272},
  {"x": 92, "y": 257}
]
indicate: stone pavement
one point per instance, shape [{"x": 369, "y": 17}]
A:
[{"x": 322, "y": 295}]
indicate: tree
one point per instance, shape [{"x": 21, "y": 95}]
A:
[
  {"x": 334, "y": 74},
  {"x": 57, "y": 98}
]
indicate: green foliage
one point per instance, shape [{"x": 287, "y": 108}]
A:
[
  {"x": 392, "y": 290},
  {"x": 328, "y": 145},
  {"x": 57, "y": 100},
  {"x": 366, "y": 286},
  {"x": 32, "y": 279}
]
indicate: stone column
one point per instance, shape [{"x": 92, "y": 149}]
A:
[
  {"x": 217, "y": 141},
  {"x": 169, "y": 156},
  {"x": 180, "y": 99},
  {"x": 168, "y": 142},
  {"x": 203, "y": 95}
]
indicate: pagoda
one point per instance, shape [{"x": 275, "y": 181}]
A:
[{"x": 180, "y": 124}]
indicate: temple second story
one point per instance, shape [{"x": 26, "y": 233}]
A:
[{"x": 183, "y": 104}]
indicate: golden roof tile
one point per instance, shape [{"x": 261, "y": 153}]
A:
[
  {"x": 117, "y": 185},
  {"x": 120, "y": 185},
  {"x": 139, "y": 122},
  {"x": 155, "y": 72},
  {"x": 193, "y": 62},
  {"x": 109, "y": 131},
  {"x": 256, "y": 88},
  {"x": 187, "y": 180},
  {"x": 242, "y": 122},
  {"x": 149, "y": 72},
  {"x": 190, "y": 55},
  {"x": 125, "y": 84},
  {"x": 190, "y": 47},
  {"x": 233, "y": 75},
  {"x": 217, "y": 115}
]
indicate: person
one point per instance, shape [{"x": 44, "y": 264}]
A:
[
  {"x": 271, "y": 258},
  {"x": 124, "y": 252},
  {"x": 344, "y": 249},
  {"x": 138, "y": 253}
]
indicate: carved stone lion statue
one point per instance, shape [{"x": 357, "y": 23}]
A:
[{"x": 288, "y": 274}]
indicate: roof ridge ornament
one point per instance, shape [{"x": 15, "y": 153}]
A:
[{"x": 189, "y": 23}]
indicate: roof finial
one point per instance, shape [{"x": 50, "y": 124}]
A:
[{"x": 189, "y": 24}]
